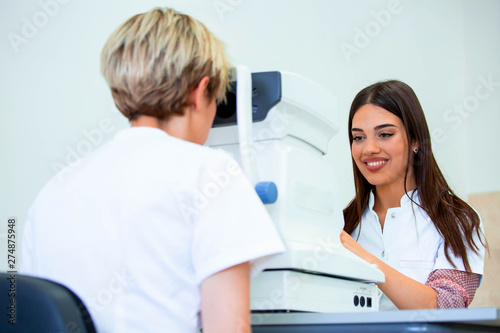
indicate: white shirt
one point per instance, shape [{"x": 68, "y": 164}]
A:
[
  {"x": 136, "y": 226},
  {"x": 409, "y": 242}
]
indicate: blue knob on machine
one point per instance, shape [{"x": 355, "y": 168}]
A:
[{"x": 267, "y": 191}]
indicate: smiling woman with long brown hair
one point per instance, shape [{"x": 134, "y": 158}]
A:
[{"x": 405, "y": 218}]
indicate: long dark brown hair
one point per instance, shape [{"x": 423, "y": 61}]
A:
[{"x": 453, "y": 218}]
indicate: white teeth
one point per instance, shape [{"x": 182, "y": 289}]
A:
[{"x": 376, "y": 163}]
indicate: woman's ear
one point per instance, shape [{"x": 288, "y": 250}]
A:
[
  {"x": 198, "y": 94},
  {"x": 415, "y": 147}
]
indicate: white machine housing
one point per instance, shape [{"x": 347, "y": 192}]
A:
[{"x": 316, "y": 273}]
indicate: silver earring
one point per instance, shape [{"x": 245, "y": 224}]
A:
[{"x": 415, "y": 150}]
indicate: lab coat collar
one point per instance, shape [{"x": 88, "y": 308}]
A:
[
  {"x": 141, "y": 131},
  {"x": 404, "y": 202}
]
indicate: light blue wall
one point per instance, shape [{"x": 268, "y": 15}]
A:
[{"x": 54, "y": 104}]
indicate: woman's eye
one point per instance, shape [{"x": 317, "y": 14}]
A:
[
  {"x": 386, "y": 135},
  {"x": 357, "y": 138}
]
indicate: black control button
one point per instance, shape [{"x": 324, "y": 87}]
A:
[
  {"x": 369, "y": 302},
  {"x": 362, "y": 301},
  {"x": 356, "y": 300}
]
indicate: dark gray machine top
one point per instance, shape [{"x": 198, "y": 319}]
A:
[{"x": 444, "y": 320}]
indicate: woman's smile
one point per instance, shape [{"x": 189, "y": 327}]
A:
[{"x": 375, "y": 163}]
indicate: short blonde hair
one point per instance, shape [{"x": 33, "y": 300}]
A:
[{"x": 155, "y": 59}]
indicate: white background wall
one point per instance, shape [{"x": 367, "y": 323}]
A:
[{"x": 55, "y": 105}]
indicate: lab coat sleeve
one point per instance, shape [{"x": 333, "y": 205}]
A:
[
  {"x": 476, "y": 260},
  {"x": 233, "y": 225}
]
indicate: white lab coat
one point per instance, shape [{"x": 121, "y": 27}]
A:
[
  {"x": 409, "y": 243},
  {"x": 136, "y": 226}
]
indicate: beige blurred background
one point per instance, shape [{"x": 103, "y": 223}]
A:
[{"x": 487, "y": 204}]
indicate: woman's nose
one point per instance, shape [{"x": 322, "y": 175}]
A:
[{"x": 371, "y": 147}]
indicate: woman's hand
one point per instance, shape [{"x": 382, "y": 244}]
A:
[
  {"x": 353, "y": 246},
  {"x": 403, "y": 291}
]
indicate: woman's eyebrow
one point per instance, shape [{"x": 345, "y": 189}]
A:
[
  {"x": 354, "y": 129},
  {"x": 384, "y": 126}
]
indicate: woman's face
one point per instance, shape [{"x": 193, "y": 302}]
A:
[{"x": 380, "y": 147}]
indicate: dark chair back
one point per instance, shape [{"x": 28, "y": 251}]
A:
[{"x": 29, "y": 304}]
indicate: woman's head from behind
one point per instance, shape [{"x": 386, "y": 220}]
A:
[{"x": 155, "y": 59}]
